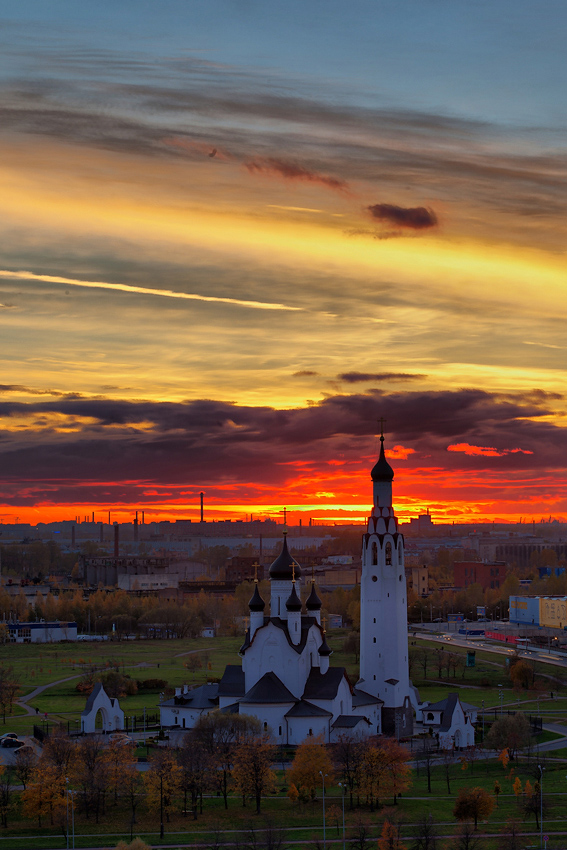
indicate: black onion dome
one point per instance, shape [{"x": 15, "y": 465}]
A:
[
  {"x": 256, "y": 602},
  {"x": 313, "y": 602},
  {"x": 382, "y": 470},
  {"x": 325, "y": 649},
  {"x": 293, "y": 601},
  {"x": 285, "y": 567}
]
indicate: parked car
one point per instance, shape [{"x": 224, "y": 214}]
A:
[
  {"x": 8, "y": 735},
  {"x": 11, "y": 743},
  {"x": 120, "y": 738}
]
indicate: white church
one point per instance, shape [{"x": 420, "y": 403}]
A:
[{"x": 285, "y": 679}]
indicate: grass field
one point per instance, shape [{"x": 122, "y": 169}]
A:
[{"x": 42, "y": 665}]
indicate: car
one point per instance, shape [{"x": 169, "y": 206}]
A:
[
  {"x": 438, "y": 620},
  {"x": 8, "y": 735},
  {"x": 11, "y": 743},
  {"x": 120, "y": 739}
]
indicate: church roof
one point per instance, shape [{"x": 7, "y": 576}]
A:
[
  {"x": 382, "y": 471},
  {"x": 323, "y": 685},
  {"x": 205, "y": 696},
  {"x": 256, "y": 602},
  {"x": 269, "y": 689},
  {"x": 313, "y": 602},
  {"x": 348, "y": 721},
  {"x": 306, "y": 623},
  {"x": 92, "y": 696},
  {"x": 232, "y": 682},
  {"x": 293, "y": 602},
  {"x": 307, "y": 709},
  {"x": 285, "y": 567},
  {"x": 362, "y": 698},
  {"x": 325, "y": 649}
]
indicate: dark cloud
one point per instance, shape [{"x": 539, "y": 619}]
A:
[
  {"x": 127, "y": 449},
  {"x": 305, "y": 373},
  {"x": 416, "y": 218},
  {"x": 361, "y": 377},
  {"x": 293, "y": 171}
]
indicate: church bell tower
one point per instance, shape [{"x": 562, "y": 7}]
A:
[{"x": 383, "y": 608}]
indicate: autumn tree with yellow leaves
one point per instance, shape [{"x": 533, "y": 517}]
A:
[
  {"x": 162, "y": 782},
  {"x": 252, "y": 772},
  {"x": 311, "y": 763}
]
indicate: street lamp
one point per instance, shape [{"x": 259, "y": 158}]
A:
[
  {"x": 483, "y": 721},
  {"x": 501, "y": 695},
  {"x": 342, "y": 786},
  {"x": 541, "y": 769},
  {"x": 324, "y": 775}
]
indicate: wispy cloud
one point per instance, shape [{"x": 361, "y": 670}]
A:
[
  {"x": 143, "y": 290},
  {"x": 294, "y": 171}
]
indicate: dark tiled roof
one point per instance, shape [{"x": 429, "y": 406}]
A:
[
  {"x": 362, "y": 698},
  {"x": 293, "y": 602},
  {"x": 307, "y": 709},
  {"x": 285, "y": 567},
  {"x": 232, "y": 682},
  {"x": 451, "y": 701},
  {"x": 256, "y": 602},
  {"x": 348, "y": 721},
  {"x": 269, "y": 689},
  {"x": 92, "y": 696},
  {"x": 231, "y": 709},
  {"x": 382, "y": 470},
  {"x": 206, "y": 696},
  {"x": 323, "y": 686},
  {"x": 313, "y": 602}
]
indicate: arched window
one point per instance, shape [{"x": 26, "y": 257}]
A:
[
  {"x": 430, "y": 716},
  {"x": 374, "y": 553},
  {"x": 388, "y": 553},
  {"x": 399, "y": 552}
]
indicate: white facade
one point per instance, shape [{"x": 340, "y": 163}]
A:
[
  {"x": 42, "y": 632},
  {"x": 111, "y": 714},
  {"x": 451, "y": 721},
  {"x": 383, "y": 607}
]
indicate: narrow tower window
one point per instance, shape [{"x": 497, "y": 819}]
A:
[
  {"x": 374, "y": 554},
  {"x": 399, "y": 553},
  {"x": 388, "y": 553}
]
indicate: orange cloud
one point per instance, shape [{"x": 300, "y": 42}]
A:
[{"x": 485, "y": 451}]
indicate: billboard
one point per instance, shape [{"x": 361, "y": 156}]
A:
[
  {"x": 553, "y": 612},
  {"x": 525, "y": 610},
  {"x": 481, "y": 610}
]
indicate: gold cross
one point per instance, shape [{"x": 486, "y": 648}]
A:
[{"x": 382, "y": 420}]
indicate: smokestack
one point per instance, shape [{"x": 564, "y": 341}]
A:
[
  {"x": 93, "y": 517},
  {"x": 202, "y": 495},
  {"x": 109, "y": 517},
  {"x": 116, "y": 539},
  {"x": 72, "y": 537},
  {"x": 143, "y": 519},
  {"x": 136, "y": 528}
]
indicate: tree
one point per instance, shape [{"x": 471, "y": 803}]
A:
[
  {"x": 473, "y": 803},
  {"x": 220, "y": 734},
  {"x": 311, "y": 763},
  {"x": 448, "y": 758},
  {"x": 397, "y": 766},
  {"x": 533, "y": 803},
  {"x": 510, "y": 836},
  {"x": 24, "y": 764},
  {"x": 512, "y": 732},
  {"x": 162, "y": 782},
  {"x": 197, "y": 766},
  {"x": 497, "y": 791},
  {"x": 352, "y": 645},
  {"x": 467, "y": 839},
  {"x": 120, "y": 762},
  {"x": 5, "y": 794},
  {"x": 425, "y": 838},
  {"x": 348, "y": 754},
  {"x": 390, "y": 837},
  {"x": 45, "y": 793},
  {"x": 522, "y": 674},
  {"x": 9, "y": 688},
  {"x": 90, "y": 773},
  {"x": 252, "y": 772}
]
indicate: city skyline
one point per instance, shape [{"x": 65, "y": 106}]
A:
[{"x": 235, "y": 235}]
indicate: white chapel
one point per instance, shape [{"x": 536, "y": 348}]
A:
[{"x": 285, "y": 678}]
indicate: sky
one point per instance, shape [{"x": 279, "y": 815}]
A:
[{"x": 235, "y": 234}]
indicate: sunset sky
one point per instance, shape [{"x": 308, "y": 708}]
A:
[{"x": 235, "y": 233}]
